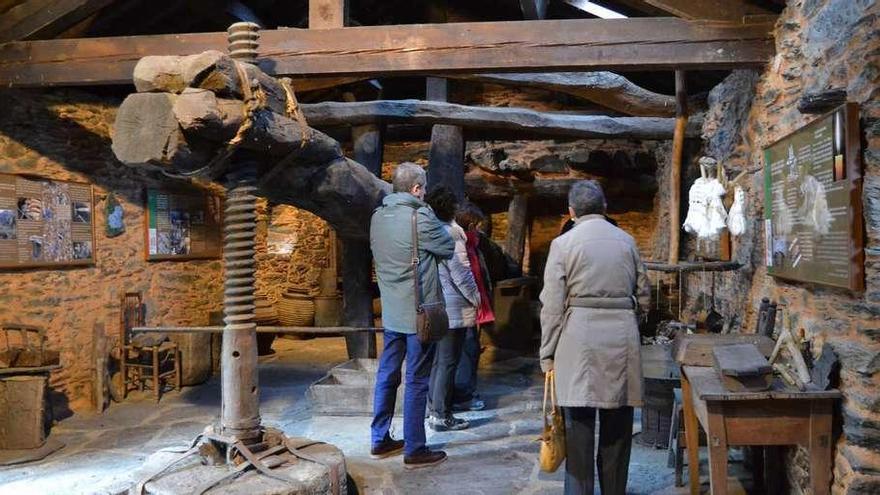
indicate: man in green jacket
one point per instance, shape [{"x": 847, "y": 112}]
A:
[{"x": 391, "y": 240}]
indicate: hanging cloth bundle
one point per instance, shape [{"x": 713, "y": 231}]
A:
[{"x": 736, "y": 219}]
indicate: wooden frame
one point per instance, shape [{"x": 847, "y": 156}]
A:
[
  {"x": 516, "y": 46},
  {"x": 853, "y": 178},
  {"x": 91, "y": 261},
  {"x": 206, "y": 195}
]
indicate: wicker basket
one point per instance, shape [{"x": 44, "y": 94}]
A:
[{"x": 296, "y": 310}]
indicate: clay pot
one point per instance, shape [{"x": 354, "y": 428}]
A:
[{"x": 296, "y": 310}]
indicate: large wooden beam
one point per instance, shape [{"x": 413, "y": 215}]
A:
[
  {"x": 517, "y": 228},
  {"x": 605, "y": 88},
  {"x": 521, "y": 46},
  {"x": 544, "y": 123},
  {"x": 722, "y": 10},
  {"x": 34, "y": 19}
]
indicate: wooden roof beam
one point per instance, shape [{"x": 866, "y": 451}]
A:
[
  {"x": 722, "y": 10},
  {"x": 372, "y": 51},
  {"x": 45, "y": 18}
]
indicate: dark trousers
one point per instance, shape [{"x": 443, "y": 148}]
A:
[
  {"x": 446, "y": 360},
  {"x": 615, "y": 445},
  {"x": 419, "y": 358},
  {"x": 466, "y": 372}
]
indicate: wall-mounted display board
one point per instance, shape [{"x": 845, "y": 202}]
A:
[
  {"x": 813, "y": 224},
  {"x": 183, "y": 224},
  {"x": 45, "y": 222}
]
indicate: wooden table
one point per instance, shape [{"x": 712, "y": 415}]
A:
[{"x": 779, "y": 416}]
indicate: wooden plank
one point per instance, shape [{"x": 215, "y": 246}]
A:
[
  {"x": 722, "y": 10},
  {"x": 707, "y": 386},
  {"x": 740, "y": 360},
  {"x": 333, "y": 113},
  {"x": 519, "y": 46},
  {"x": 767, "y": 422},
  {"x": 819, "y": 446},
  {"x": 696, "y": 349},
  {"x": 35, "y": 19}
]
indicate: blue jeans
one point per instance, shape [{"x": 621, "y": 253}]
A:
[
  {"x": 419, "y": 359},
  {"x": 466, "y": 372}
]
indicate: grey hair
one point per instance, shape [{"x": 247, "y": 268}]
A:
[
  {"x": 407, "y": 175},
  {"x": 586, "y": 198}
]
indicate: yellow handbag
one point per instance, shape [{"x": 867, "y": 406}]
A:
[{"x": 553, "y": 437}]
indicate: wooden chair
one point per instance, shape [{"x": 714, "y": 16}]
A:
[{"x": 145, "y": 357}]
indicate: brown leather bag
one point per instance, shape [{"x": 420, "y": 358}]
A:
[{"x": 432, "y": 322}]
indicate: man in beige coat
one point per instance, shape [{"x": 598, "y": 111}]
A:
[{"x": 593, "y": 282}]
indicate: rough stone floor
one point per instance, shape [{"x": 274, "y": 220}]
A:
[{"x": 497, "y": 455}]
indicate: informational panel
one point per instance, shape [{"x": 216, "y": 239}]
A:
[
  {"x": 183, "y": 225},
  {"x": 812, "y": 204},
  {"x": 45, "y": 222}
]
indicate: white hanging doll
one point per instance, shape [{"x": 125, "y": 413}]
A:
[
  {"x": 706, "y": 217},
  {"x": 736, "y": 219}
]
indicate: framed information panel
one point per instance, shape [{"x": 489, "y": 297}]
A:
[
  {"x": 183, "y": 224},
  {"x": 813, "y": 226},
  {"x": 45, "y": 222}
]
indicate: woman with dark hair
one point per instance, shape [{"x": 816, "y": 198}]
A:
[
  {"x": 465, "y": 396},
  {"x": 462, "y": 300}
]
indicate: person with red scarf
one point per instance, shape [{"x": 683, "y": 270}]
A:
[{"x": 464, "y": 395}]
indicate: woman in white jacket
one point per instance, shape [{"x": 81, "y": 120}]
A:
[{"x": 462, "y": 300}]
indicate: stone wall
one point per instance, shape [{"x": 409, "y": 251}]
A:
[
  {"x": 821, "y": 44},
  {"x": 293, "y": 247},
  {"x": 66, "y": 135}
]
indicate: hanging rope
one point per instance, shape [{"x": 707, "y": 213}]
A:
[{"x": 293, "y": 109}]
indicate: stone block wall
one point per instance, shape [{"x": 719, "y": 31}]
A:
[
  {"x": 821, "y": 44},
  {"x": 293, "y": 247},
  {"x": 66, "y": 135}
]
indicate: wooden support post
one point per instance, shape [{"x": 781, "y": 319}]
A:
[
  {"x": 517, "y": 227},
  {"x": 446, "y": 156},
  {"x": 327, "y": 14},
  {"x": 368, "y": 143},
  {"x": 692, "y": 435},
  {"x": 681, "y": 118},
  {"x": 357, "y": 297}
]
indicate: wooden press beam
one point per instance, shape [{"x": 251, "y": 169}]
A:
[
  {"x": 517, "y": 228},
  {"x": 446, "y": 154},
  {"x": 45, "y": 18},
  {"x": 520, "y": 119},
  {"x": 681, "y": 120},
  {"x": 518, "y": 46}
]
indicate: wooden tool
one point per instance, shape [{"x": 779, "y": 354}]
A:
[{"x": 742, "y": 368}]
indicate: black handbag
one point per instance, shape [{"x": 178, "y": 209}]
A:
[{"x": 432, "y": 322}]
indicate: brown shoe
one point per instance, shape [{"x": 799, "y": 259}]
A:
[
  {"x": 386, "y": 449},
  {"x": 424, "y": 458}
]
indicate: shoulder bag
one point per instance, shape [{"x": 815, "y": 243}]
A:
[{"x": 432, "y": 322}]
